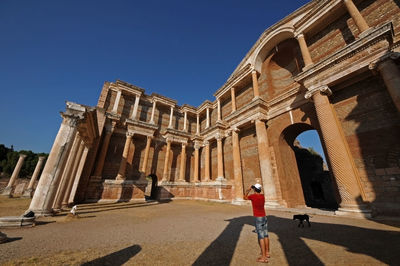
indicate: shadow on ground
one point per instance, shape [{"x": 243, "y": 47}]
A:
[
  {"x": 116, "y": 258},
  {"x": 102, "y": 207},
  {"x": 378, "y": 244}
]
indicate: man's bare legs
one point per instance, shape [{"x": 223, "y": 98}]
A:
[{"x": 264, "y": 247}]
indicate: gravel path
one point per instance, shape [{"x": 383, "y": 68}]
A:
[{"x": 196, "y": 233}]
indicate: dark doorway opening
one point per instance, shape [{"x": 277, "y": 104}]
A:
[
  {"x": 151, "y": 189},
  {"x": 315, "y": 176}
]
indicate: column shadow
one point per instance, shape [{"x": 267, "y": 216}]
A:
[
  {"x": 379, "y": 244},
  {"x": 116, "y": 258}
]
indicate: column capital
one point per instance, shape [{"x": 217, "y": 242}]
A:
[
  {"x": 197, "y": 146},
  {"x": 22, "y": 155},
  {"x": 41, "y": 158},
  {"x": 206, "y": 143},
  {"x": 298, "y": 35},
  {"x": 69, "y": 119},
  {"x": 235, "y": 129},
  {"x": 129, "y": 134},
  {"x": 323, "y": 89},
  {"x": 219, "y": 136}
]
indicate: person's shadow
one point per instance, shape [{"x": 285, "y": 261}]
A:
[
  {"x": 378, "y": 244},
  {"x": 116, "y": 258}
]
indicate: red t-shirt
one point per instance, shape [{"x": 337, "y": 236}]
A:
[{"x": 257, "y": 200}]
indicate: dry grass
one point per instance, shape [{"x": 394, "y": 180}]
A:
[{"x": 13, "y": 206}]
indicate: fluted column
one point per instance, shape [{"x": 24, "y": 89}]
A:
[
  {"x": 146, "y": 154},
  {"x": 391, "y": 77},
  {"x": 29, "y": 189},
  {"x": 166, "y": 162},
  {"x": 82, "y": 161},
  {"x": 170, "y": 117},
  {"x": 182, "y": 170},
  {"x": 152, "y": 112},
  {"x": 255, "y": 84},
  {"x": 67, "y": 174},
  {"x": 338, "y": 152},
  {"x": 196, "y": 163},
  {"x": 304, "y": 50},
  {"x": 233, "y": 98},
  {"x": 356, "y": 15},
  {"x": 237, "y": 165},
  {"x": 122, "y": 166},
  {"x": 135, "y": 107},
  {"x": 45, "y": 192},
  {"x": 7, "y": 191},
  {"x": 103, "y": 152},
  {"x": 220, "y": 159},
  {"x": 207, "y": 161},
  {"x": 116, "y": 102},
  {"x": 265, "y": 164},
  {"x": 72, "y": 174}
]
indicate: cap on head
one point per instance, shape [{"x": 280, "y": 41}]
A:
[{"x": 257, "y": 186}]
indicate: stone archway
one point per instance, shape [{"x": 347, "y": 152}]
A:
[{"x": 299, "y": 187}]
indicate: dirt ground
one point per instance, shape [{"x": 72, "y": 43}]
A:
[{"x": 185, "y": 232}]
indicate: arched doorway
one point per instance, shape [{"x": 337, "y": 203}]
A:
[
  {"x": 307, "y": 180},
  {"x": 313, "y": 170}
]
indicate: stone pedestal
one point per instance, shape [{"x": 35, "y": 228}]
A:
[{"x": 3, "y": 238}]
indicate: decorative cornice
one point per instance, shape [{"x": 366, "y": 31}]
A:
[
  {"x": 374, "y": 36},
  {"x": 234, "y": 79}
]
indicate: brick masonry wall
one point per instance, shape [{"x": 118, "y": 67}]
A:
[
  {"x": 343, "y": 31},
  {"x": 371, "y": 125},
  {"x": 249, "y": 156}
]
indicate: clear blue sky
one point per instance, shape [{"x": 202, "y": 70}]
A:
[{"x": 53, "y": 51}]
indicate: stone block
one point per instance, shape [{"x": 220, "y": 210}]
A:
[
  {"x": 380, "y": 171},
  {"x": 392, "y": 170}
]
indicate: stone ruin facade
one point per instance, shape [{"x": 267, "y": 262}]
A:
[{"x": 330, "y": 66}]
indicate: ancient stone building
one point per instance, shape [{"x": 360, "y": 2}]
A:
[{"x": 330, "y": 66}]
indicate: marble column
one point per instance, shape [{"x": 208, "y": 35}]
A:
[
  {"x": 135, "y": 107},
  {"x": 182, "y": 170},
  {"x": 220, "y": 159},
  {"x": 219, "y": 109},
  {"x": 391, "y": 77},
  {"x": 72, "y": 174},
  {"x": 124, "y": 160},
  {"x": 356, "y": 15},
  {"x": 28, "y": 191},
  {"x": 207, "y": 162},
  {"x": 103, "y": 152},
  {"x": 152, "y": 112},
  {"x": 170, "y": 117},
  {"x": 304, "y": 50},
  {"x": 116, "y": 102},
  {"x": 72, "y": 157},
  {"x": 342, "y": 164},
  {"x": 237, "y": 165},
  {"x": 45, "y": 192},
  {"x": 166, "y": 162},
  {"x": 77, "y": 178},
  {"x": 146, "y": 154},
  {"x": 266, "y": 165},
  {"x": 233, "y": 98},
  {"x": 208, "y": 118},
  {"x": 255, "y": 84},
  {"x": 185, "y": 121},
  {"x": 7, "y": 190},
  {"x": 196, "y": 163},
  {"x": 198, "y": 125}
]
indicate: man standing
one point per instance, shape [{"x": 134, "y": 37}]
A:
[{"x": 257, "y": 201}]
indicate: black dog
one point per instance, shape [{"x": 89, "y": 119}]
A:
[{"x": 301, "y": 218}]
